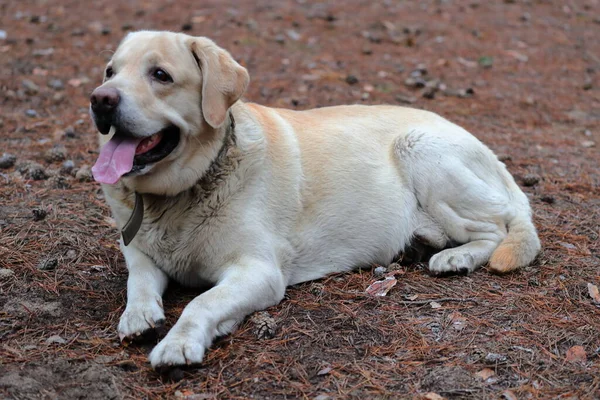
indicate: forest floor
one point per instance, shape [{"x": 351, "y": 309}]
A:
[{"x": 523, "y": 76}]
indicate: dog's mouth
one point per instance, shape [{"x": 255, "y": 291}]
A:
[{"x": 125, "y": 154}]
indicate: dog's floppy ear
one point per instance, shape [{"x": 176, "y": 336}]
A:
[{"x": 224, "y": 81}]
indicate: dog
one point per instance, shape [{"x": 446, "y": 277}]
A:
[{"x": 211, "y": 190}]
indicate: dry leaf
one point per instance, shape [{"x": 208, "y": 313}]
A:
[
  {"x": 485, "y": 373},
  {"x": 324, "y": 371},
  {"x": 433, "y": 396},
  {"x": 380, "y": 288},
  {"x": 594, "y": 293},
  {"x": 576, "y": 354},
  {"x": 435, "y": 305}
]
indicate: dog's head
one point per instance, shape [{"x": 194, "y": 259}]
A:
[{"x": 164, "y": 98}]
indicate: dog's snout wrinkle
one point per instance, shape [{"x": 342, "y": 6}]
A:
[{"x": 105, "y": 100}]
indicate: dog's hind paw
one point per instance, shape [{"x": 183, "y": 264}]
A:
[{"x": 140, "y": 318}]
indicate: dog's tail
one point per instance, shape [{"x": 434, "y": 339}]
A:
[{"x": 520, "y": 247}]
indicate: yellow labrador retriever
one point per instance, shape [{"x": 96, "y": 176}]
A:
[{"x": 211, "y": 190}]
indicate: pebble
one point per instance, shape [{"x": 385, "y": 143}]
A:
[
  {"x": 405, "y": 99},
  {"x": 71, "y": 254},
  {"x": 280, "y": 39},
  {"x": 417, "y": 83},
  {"x": 379, "y": 271},
  {"x": 56, "y": 339},
  {"x": 56, "y": 84},
  {"x": 67, "y": 167},
  {"x": 548, "y": 199},
  {"x": 2, "y": 35},
  {"x": 495, "y": 357},
  {"x": 30, "y": 87},
  {"x": 48, "y": 264},
  {"x": 531, "y": 179},
  {"x": 588, "y": 143},
  {"x": 84, "y": 174},
  {"x": 31, "y": 113},
  {"x": 7, "y": 161},
  {"x": 39, "y": 214},
  {"x": 351, "y": 80},
  {"x": 56, "y": 154},
  {"x": 6, "y": 273}
]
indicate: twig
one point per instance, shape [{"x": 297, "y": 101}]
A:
[{"x": 422, "y": 302}]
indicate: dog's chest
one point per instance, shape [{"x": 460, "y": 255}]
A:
[{"x": 180, "y": 235}]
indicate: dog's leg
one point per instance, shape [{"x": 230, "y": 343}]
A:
[
  {"x": 244, "y": 287},
  {"x": 145, "y": 286}
]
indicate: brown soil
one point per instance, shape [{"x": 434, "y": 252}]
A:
[{"x": 534, "y": 68}]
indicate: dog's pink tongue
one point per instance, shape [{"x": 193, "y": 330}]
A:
[{"x": 115, "y": 159}]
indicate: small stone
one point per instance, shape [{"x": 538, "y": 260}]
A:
[
  {"x": 548, "y": 199},
  {"x": 367, "y": 50},
  {"x": 71, "y": 254},
  {"x": 264, "y": 325},
  {"x": 56, "y": 339},
  {"x": 70, "y": 133},
  {"x": 39, "y": 214},
  {"x": 351, "y": 80},
  {"x": 186, "y": 27},
  {"x": 7, "y": 161},
  {"x": 504, "y": 157},
  {"x": 416, "y": 83},
  {"x": 588, "y": 143},
  {"x": 280, "y": 39},
  {"x": 495, "y": 358},
  {"x": 48, "y": 264},
  {"x": 56, "y": 84},
  {"x": 401, "y": 98},
  {"x": 84, "y": 174},
  {"x": 67, "y": 167},
  {"x": 56, "y": 154},
  {"x": 2, "y": 35},
  {"x": 379, "y": 271},
  {"x": 30, "y": 87},
  {"x": 6, "y": 273},
  {"x": 105, "y": 31},
  {"x": 31, "y": 113},
  {"x": 292, "y": 34},
  {"x": 430, "y": 92},
  {"x": 486, "y": 61},
  {"x": 531, "y": 180}
]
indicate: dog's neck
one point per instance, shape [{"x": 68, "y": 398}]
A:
[{"x": 216, "y": 175}]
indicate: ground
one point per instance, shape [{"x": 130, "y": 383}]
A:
[{"x": 522, "y": 75}]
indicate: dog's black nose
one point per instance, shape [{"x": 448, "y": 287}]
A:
[{"x": 105, "y": 100}]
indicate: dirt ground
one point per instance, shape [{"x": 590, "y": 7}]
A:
[{"x": 522, "y": 75}]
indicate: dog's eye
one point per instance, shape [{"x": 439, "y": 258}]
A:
[
  {"x": 109, "y": 72},
  {"x": 160, "y": 75}
]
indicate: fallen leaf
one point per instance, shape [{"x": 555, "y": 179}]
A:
[
  {"x": 576, "y": 354},
  {"x": 433, "y": 396},
  {"x": 412, "y": 298},
  {"x": 435, "y": 305},
  {"x": 594, "y": 293},
  {"x": 485, "y": 373},
  {"x": 509, "y": 395},
  {"x": 380, "y": 288},
  {"x": 324, "y": 371}
]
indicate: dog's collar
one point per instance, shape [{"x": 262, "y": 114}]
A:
[{"x": 132, "y": 226}]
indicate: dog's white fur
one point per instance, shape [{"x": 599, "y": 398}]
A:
[{"x": 306, "y": 193}]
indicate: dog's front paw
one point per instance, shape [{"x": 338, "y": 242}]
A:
[
  {"x": 140, "y": 318},
  {"x": 179, "y": 347}
]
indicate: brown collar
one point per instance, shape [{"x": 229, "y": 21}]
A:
[{"x": 132, "y": 226}]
